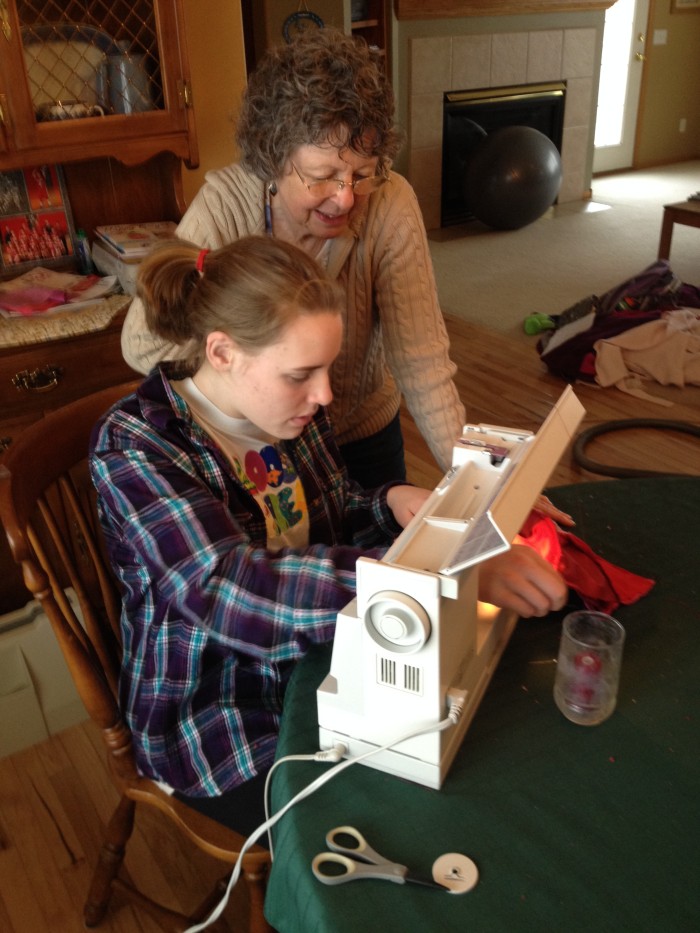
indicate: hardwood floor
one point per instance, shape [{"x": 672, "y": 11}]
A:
[
  {"x": 55, "y": 796},
  {"x": 502, "y": 381}
]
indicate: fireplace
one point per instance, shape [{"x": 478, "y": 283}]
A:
[
  {"x": 470, "y": 115},
  {"x": 460, "y": 55}
]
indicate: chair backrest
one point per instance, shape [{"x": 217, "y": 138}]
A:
[{"x": 47, "y": 508}]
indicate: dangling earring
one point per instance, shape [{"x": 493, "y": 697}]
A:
[{"x": 271, "y": 192}]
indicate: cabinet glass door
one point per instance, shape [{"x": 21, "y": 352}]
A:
[
  {"x": 86, "y": 79},
  {"x": 90, "y": 59}
]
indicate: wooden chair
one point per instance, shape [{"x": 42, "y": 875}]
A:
[{"x": 47, "y": 507}]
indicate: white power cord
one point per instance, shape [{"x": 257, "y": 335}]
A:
[{"x": 334, "y": 755}]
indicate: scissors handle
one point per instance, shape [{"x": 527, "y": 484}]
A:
[
  {"x": 349, "y": 841},
  {"x": 334, "y": 868}
]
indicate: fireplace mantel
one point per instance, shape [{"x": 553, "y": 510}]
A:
[{"x": 444, "y": 9}]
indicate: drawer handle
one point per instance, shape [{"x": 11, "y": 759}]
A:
[{"x": 38, "y": 380}]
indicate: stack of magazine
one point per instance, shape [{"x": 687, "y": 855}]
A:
[
  {"x": 118, "y": 248},
  {"x": 131, "y": 242}
]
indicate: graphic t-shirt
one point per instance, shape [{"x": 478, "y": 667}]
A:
[{"x": 259, "y": 464}]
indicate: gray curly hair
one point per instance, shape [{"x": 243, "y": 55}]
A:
[{"x": 324, "y": 87}]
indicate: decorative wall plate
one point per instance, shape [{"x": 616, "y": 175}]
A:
[{"x": 299, "y": 22}]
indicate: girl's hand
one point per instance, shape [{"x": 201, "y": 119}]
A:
[
  {"x": 405, "y": 501},
  {"x": 521, "y": 580}
]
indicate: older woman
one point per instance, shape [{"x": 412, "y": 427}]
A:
[{"x": 317, "y": 137}]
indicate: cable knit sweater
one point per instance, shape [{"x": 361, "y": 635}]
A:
[{"x": 395, "y": 338}]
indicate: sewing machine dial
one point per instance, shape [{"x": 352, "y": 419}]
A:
[{"x": 397, "y": 622}]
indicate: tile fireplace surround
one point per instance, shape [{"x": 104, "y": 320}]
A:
[{"x": 462, "y": 61}]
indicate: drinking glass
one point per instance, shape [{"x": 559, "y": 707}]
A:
[{"x": 588, "y": 666}]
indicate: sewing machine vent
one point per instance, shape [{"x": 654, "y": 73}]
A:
[
  {"x": 387, "y": 672},
  {"x": 412, "y": 679},
  {"x": 409, "y": 679}
]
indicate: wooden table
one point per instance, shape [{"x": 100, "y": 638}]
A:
[{"x": 685, "y": 212}]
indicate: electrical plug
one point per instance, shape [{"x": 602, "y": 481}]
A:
[{"x": 334, "y": 755}]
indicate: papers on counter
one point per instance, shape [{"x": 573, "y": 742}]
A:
[{"x": 44, "y": 291}]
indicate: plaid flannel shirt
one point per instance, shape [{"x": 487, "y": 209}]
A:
[{"x": 212, "y": 622}]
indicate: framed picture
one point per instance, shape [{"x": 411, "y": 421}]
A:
[
  {"x": 679, "y": 6},
  {"x": 36, "y": 224}
]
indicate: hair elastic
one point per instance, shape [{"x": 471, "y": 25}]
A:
[{"x": 200, "y": 261}]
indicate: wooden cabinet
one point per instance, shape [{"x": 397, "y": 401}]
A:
[
  {"x": 47, "y": 375},
  {"x": 90, "y": 79},
  {"x": 369, "y": 19},
  {"x": 101, "y": 87},
  {"x": 264, "y": 21},
  {"x": 39, "y": 377}
]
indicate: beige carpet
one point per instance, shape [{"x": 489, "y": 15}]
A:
[{"x": 497, "y": 278}]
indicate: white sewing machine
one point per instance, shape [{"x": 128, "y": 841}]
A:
[{"x": 416, "y": 639}]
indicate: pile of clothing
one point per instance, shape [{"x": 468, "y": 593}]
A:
[
  {"x": 600, "y": 585},
  {"x": 645, "y": 329}
]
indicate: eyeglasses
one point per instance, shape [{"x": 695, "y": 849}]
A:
[{"x": 327, "y": 187}]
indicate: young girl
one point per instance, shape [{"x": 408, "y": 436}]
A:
[{"x": 230, "y": 519}]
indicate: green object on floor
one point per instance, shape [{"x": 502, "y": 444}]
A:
[{"x": 536, "y": 323}]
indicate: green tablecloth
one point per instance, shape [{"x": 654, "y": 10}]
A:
[{"x": 573, "y": 828}]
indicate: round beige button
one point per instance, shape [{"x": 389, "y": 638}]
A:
[{"x": 455, "y": 872}]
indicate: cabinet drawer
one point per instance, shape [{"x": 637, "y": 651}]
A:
[{"x": 46, "y": 376}]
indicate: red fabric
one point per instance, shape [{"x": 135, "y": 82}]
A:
[{"x": 600, "y": 584}]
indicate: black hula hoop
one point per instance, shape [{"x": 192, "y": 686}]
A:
[{"x": 607, "y": 469}]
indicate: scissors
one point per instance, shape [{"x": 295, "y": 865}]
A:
[{"x": 351, "y": 859}]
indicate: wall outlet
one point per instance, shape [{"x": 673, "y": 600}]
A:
[{"x": 683, "y": 125}]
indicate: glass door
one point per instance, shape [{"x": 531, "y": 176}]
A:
[
  {"x": 90, "y": 59},
  {"x": 96, "y": 78},
  {"x": 624, "y": 42}
]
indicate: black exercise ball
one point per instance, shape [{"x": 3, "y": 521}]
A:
[{"x": 512, "y": 177}]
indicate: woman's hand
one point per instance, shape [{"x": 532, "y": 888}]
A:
[
  {"x": 405, "y": 501},
  {"x": 521, "y": 580},
  {"x": 546, "y": 507}
]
